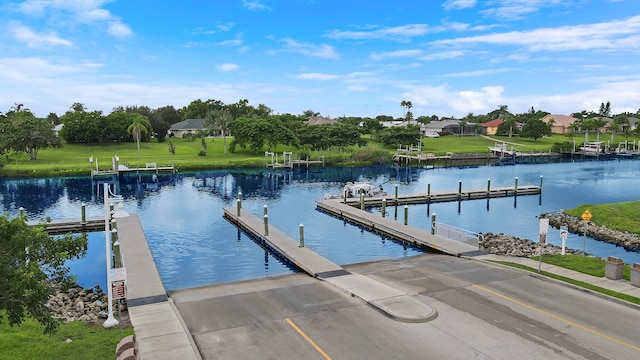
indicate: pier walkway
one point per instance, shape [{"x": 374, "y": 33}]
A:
[
  {"x": 159, "y": 328},
  {"x": 445, "y": 196},
  {"x": 394, "y": 229},
  {"x": 390, "y": 301}
]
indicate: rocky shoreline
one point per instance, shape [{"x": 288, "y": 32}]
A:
[
  {"x": 80, "y": 304},
  {"x": 602, "y": 233},
  {"x": 508, "y": 245}
]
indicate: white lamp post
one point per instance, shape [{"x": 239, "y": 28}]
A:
[{"x": 111, "y": 321}]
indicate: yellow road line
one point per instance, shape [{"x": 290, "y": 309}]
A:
[
  {"x": 306, "y": 337},
  {"x": 530, "y": 307}
]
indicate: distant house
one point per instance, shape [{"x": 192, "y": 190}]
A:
[
  {"x": 189, "y": 126},
  {"x": 57, "y": 128},
  {"x": 319, "y": 120},
  {"x": 449, "y": 126},
  {"x": 491, "y": 127},
  {"x": 561, "y": 123}
]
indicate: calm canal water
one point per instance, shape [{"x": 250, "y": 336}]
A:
[{"x": 193, "y": 245}]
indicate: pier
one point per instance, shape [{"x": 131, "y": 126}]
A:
[
  {"x": 390, "y": 301},
  {"x": 288, "y": 161},
  {"x": 65, "y": 226},
  {"x": 460, "y": 195},
  {"x": 117, "y": 168},
  {"x": 395, "y": 230}
]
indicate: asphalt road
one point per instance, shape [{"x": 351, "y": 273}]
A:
[{"x": 485, "y": 311}]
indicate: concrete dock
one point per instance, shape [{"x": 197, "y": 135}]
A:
[
  {"x": 445, "y": 196},
  {"x": 394, "y": 229},
  {"x": 388, "y": 300},
  {"x": 160, "y": 331}
]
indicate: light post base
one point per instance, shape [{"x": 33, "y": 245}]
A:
[{"x": 110, "y": 322}]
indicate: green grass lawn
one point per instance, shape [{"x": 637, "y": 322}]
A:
[
  {"x": 89, "y": 341},
  {"x": 584, "y": 264},
  {"x": 619, "y": 216}
]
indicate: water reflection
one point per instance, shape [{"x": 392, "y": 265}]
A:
[{"x": 193, "y": 245}]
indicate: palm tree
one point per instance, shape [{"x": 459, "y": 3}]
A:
[
  {"x": 221, "y": 119},
  {"x": 599, "y": 123},
  {"x": 139, "y": 126},
  {"x": 406, "y": 105},
  {"x": 613, "y": 128},
  {"x": 586, "y": 125}
]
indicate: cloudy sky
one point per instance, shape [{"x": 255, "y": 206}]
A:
[{"x": 336, "y": 57}]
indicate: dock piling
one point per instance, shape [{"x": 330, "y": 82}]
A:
[
  {"x": 361, "y": 201},
  {"x": 488, "y": 187},
  {"x": 433, "y": 223},
  {"x": 459, "y": 189},
  {"x": 384, "y": 207},
  {"x": 396, "y": 193},
  {"x": 516, "y": 186},
  {"x": 429, "y": 192},
  {"x": 265, "y": 209},
  {"x": 540, "y": 182},
  {"x": 301, "y": 235},
  {"x": 266, "y": 225},
  {"x": 238, "y": 207},
  {"x": 83, "y": 212},
  {"x": 406, "y": 214}
]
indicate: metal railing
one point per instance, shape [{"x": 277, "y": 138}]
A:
[{"x": 458, "y": 234}]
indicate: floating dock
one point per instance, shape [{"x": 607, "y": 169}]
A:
[
  {"x": 117, "y": 169},
  {"x": 460, "y": 195},
  {"x": 394, "y": 229}
]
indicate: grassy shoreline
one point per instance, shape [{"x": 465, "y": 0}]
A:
[{"x": 73, "y": 159}]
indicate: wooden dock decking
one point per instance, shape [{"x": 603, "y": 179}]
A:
[
  {"x": 393, "y": 229},
  {"x": 444, "y": 196}
]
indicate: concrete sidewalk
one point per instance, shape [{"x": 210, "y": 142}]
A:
[{"x": 621, "y": 286}]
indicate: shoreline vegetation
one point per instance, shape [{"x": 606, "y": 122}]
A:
[{"x": 185, "y": 154}]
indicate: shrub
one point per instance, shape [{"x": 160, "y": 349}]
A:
[{"x": 202, "y": 153}]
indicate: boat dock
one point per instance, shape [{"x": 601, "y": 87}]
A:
[
  {"x": 390, "y": 301},
  {"x": 117, "y": 168},
  {"x": 288, "y": 161},
  {"x": 394, "y": 229},
  {"x": 65, "y": 226},
  {"x": 460, "y": 195}
]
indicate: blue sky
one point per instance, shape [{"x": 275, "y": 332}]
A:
[{"x": 335, "y": 57}]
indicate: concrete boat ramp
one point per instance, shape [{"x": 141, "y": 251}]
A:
[{"x": 390, "y": 301}]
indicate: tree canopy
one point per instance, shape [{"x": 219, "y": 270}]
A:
[
  {"x": 21, "y": 131},
  {"x": 31, "y": 264}
]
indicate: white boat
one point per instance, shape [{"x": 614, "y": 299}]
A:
[
  {"x": 502, "y": 149},
  {"x": 354, "y": 189}
]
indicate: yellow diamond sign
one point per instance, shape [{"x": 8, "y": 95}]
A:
[{"x": 586, "y": 215}]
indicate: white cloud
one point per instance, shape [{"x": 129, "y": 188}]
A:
[
  {"x": 458, "y": 4},
  {"x": 455, "y": 102},
  {"x": 65, "y": 12},
  {"x": 32, "y": 39},
  {"x": 614, "y": 35},
  {"x": 397, "y": 54},
  {"x": 309, "y": 49},
  {"x": 227, "y": 67},
  {"x": 398, "y": 33},
  {"x": 516, "y": 9},
  {"x": 118, "y": 29},
  {"x": 225, "y": 27},
  {"x": 235, "y": 42},
  {"x": 477, "y": 73},
  {"x": 317, "y": 76},
  {"x": 442, "y": 55},
  {"x": 255, "y": 5}
]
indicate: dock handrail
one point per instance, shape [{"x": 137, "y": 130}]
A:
[{"x": 458, "y": 234}]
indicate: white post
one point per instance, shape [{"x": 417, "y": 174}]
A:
[{"x": 111, "y": 321}]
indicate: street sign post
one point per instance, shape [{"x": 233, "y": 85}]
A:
[
  {"x": 586, "y": 216},
  {"x": 544, "y": 228}
]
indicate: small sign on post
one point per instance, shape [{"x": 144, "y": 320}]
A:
[
  {"x": 586, "y": 216},
  {"x": 544, "y": 228},
  {"x": 118, "y": 289}
]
